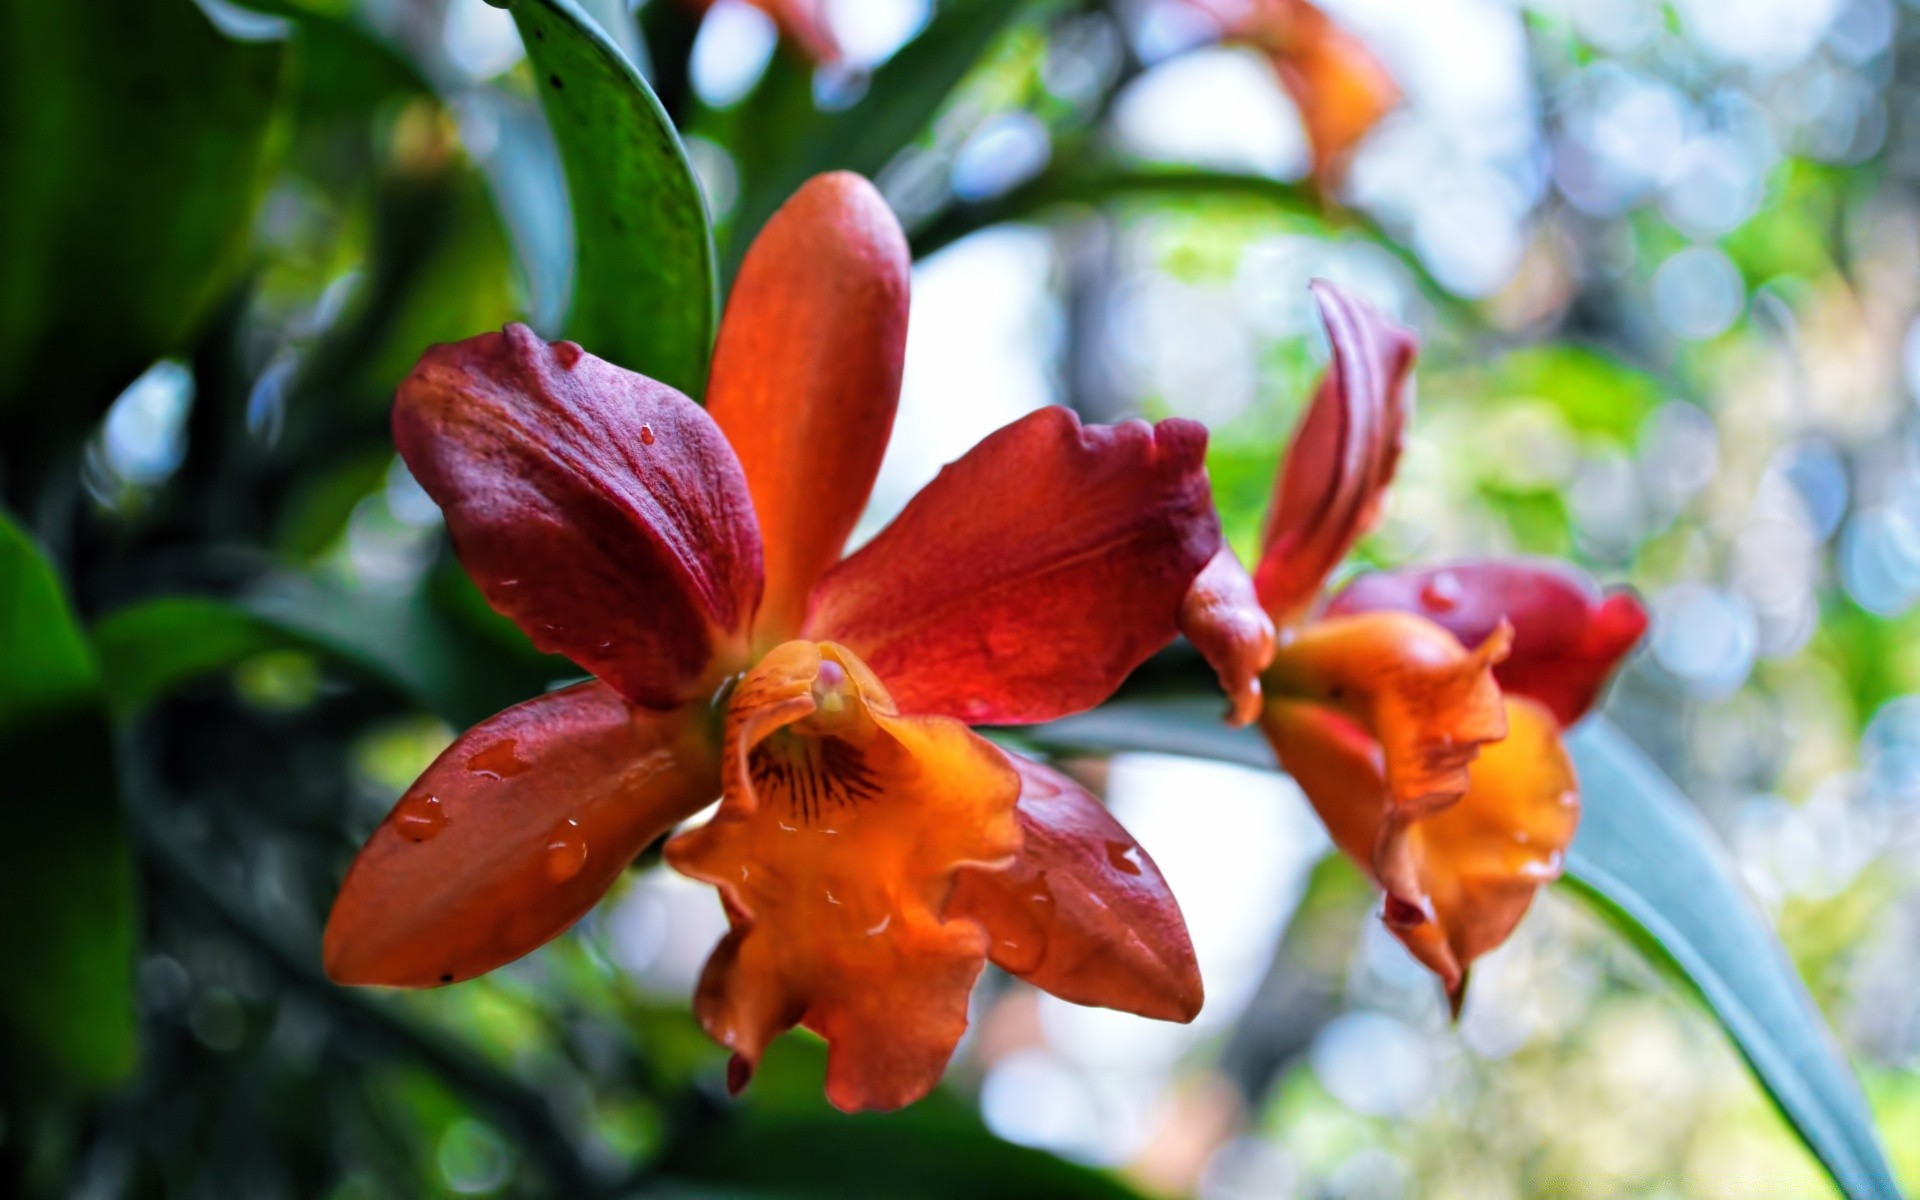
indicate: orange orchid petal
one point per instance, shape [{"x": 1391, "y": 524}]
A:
[
  {"x": 1342, "y": 456},
  {"x": 1222, "y": 617},
  {"x": 602, "y": 511},
  {"x": 512, "y": 835},
  {"x": 1567, "y": 636},
  {"x": 806, "y": 375},
  {"x": 835, "y": 850},
  {"x": 1429, "y": 702},
  {"x": 1083, "y": 912},
  {"x": 1471, "y": 870},
  {"x": 1032, "y": 575}
]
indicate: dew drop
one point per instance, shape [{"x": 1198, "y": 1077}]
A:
[
  {"x": 1441, "y": 594},
  {"x": 498, "y": 761},
  {"x": 1403, "y": 914},
  {"x": 419, "y": 817},
  {"x": 1124, "y": 857},
  {"x": 566, "y": 851},
  {"x": 739, "y": 1071},
  {"x": 568, "y": 353},
  {"x": 646, "y": 435}
]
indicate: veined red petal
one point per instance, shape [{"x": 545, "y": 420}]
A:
[
  {"x": 1567, "y": 636},
  {"x": 1467, "y": 874},
  {"x": 835, "y": 850},
  {"x": 512, "y": 835},
  {"x": 806, "y": 375},
  {"x": 1032, "y": 575},
  {"x": 1431, "y": 703},
  {"x": 602, "y": 511},
  {"x": 1082, "y": 912},
  {"x": 1222, "y": 617},
  {"x": 1342, "y": 457}
]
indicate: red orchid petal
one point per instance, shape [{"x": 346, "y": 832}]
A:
[
  {"x": 1222, "y": 617},
  {"x": 1342, "y": 456},
  {"x": 600, "y": 510},
  {"x": 1032, "y": 575},
  {"x": 1083, "y": 912},
  {"x": 806, "y": 375},
  {"x": 802, "y": 21},
  {"x": 1467, "y": 874},
  {"x": 1567, "y": 636},
  {"x": 835, "y": 850},
  {"x": 512, "y": 835}
]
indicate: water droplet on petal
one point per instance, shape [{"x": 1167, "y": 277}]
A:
[
  {"x": 566, "y": 851},
  {"x": 1403, "y": 914},
  {"x": 881, "y": 928},
  {"x": 1441, "y": 593},
  {"x": 568, "y": 354},
  {"x": 419, "y": 817},
  {"x": 739, "y": 1071},
  {"x": 1124, "y": 857},
  {"x": 646, "y": 435},
  {"x": 499, "y": 761}
]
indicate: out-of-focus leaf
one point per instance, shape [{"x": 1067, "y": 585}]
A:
[
  {"x": 645, "y": 288},
  {"x": 1596, "y": 394},
  {"x": 780, "y": 138},
  {"x": 407, "y": 642},
  {"x": 897, "y": 1157},
  {"x": 66, "y": 873},
  {"x": 1656, "y": 871},
  {"x": 135, "y": 148}
]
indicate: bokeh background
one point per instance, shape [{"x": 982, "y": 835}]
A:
[{"x": 1665, "y": 261}]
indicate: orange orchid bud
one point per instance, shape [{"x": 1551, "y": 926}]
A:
[{"x": 1222, "y": 617}]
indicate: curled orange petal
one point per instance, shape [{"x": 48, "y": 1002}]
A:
[
  {"x": 1428, "y": 701},
  {"x": 1222, "y": 617},
  {"x": 1083, "y": 912},
  {"x": 512, "y": 835},
  {"x": 834, "y": 850},
  {"x": 1469, "y": 871},
  {"x": 1342, "y": 456}
]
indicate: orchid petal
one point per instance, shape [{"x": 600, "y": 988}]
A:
[
  {"x": 1083, "y": 912},
  {"x": 1567, "y": 636},
  {"x": 1032, "y": 575},
  {"x": 512, "y": 835},
  {"x": 602, "y": 511},
  {"x": 806, "y": 375},
  {"x": 1341, "y": 457},
  {"x": 1222, "y": 617},
  {"x": 835, "y": 849},
  {"x": 1469, "y": 872}
]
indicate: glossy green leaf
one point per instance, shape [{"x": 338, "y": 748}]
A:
[
  {"x": 1658, "y": 873},
  {"x": 645, "y": 286},
  {"x": 781, "y": 139},
  {"x": 148, "y": 649},
  {"x": 67, "y": 927},
  {"x": 135, "y": 149}
]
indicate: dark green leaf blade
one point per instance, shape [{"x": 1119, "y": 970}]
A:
[
  {"x": 1656, "y": 871},
  {"x": 135, "y": 151},
  {"x": 67, "y": 923},
  {"x": 645, "y": 287}
]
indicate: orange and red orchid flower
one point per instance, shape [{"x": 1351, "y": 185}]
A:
[
  {"x": 1420, "y": 711},
  {"x": 1338, "y": 85},
  {"x": 870, "y": 850}
]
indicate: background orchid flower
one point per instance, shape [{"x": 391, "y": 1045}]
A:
[
  {"x": 871, "y": 851},
  {"x": 1420, "y": 711},
  {"x": 803, "y": 22},
  {"x": 1338, "y": 85}
]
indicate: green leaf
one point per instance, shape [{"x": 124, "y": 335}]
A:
[
  {"x": 135, "y": 151},
  {"x": 1655, "y": 870},
  {"x": 409, "y": 643},
  {"x": 898, "y": 1157},
  {"x": 67, "y": 927},
  {"x": 646, "y": 289},
  {"x": 781, "y": 139}
]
